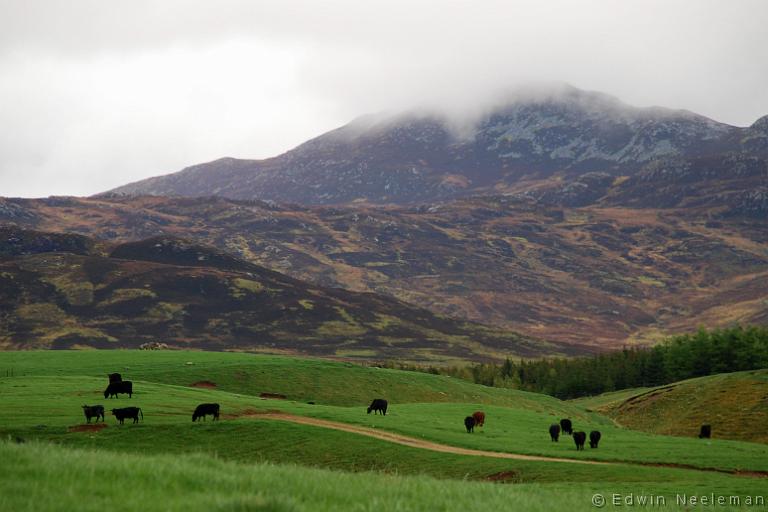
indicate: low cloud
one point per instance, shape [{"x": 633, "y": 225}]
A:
[{"x": 95, "y": 94}]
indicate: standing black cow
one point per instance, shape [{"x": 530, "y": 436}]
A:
[
  {"x": 705, "y": 432},
  {"x": 579, "y": 438},
  {"x": 115, "y": 377},
  {"x": 114, "y": 388},
  {"x": 594, "y": 438},
  {"x": 203, "y": 410},
  {"x": 378, "y": 405},
  {"x": 127, "y": 412},
  {"x": 566, "y": 426},
  {"x": 554, "y": 432},
  {"x": 469, "y": 422},
  {"x": 93, "y": 411}
]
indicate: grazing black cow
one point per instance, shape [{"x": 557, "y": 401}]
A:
[
  {"x": 554, "y": 432},
  {"x": 203, "y": 410},
  {"x": 115, "y": 377},
  {"x": 594, "y": 438},
  {"x": 378, "y": 405},
  {"x": 93, "y": 411},
  {"x": 566, "y": 426},
  {"x": 579, "y": 438},
  {"x": 127, "y": 412},
  {"x": 705, "y": 432},
  {"x": 114, "y": 388},
  {"x": 469, "y": 422}
]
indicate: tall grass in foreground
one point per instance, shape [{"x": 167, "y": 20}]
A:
[{"x": 41, "y": 477}]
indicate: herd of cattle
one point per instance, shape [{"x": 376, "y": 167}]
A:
[
  {"x": 478, "y": 420},
  {"x": 119, "y": 386},
  {"x": 566, "y": 427}
]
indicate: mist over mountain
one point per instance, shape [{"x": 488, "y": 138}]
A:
[{"x": 527, "y": 141}]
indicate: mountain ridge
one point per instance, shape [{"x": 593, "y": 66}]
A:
[{"x": 423, "y": 155}]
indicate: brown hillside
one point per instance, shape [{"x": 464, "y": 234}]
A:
[{"x": 598, "y": 276}]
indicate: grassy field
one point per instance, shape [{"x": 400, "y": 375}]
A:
[
  {"x": 37, "y": 477},
  {"x": 735, "y": 404},
  {"x": 322, "y": 381},
  {"x": 43, "y": 391}
]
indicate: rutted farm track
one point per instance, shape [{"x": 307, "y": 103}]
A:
[
  {"x": 444, "y": 448},
  {"x": 413, "y": 442}
]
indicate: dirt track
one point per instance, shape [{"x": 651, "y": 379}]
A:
[
  {"x": 437, "y": 447},
  {"x": 412, "y": 441}
]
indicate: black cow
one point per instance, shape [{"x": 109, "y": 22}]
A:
[
  {"x": 203, "y": 410},
  {"x": 594, "y": 438},
  {"x": 705, "y": 432},
  {"x": 566, "y": 426},
  {"x": 93, "y": 411},
  {"x": 115, "y": 377},
  {"x": 579, "y": 438},
  {"x": 469, "y": 422},
  {"x": 114, "y": 388},
  {"x": 554, "y": 432},
  {"x": 378, "y": 405},
  {"x": 127, "y": 412}
]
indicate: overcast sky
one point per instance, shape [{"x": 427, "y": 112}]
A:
[{"x": 95, "y": 94}]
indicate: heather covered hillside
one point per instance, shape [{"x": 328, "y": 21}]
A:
[
  {"x": 67, "y": 291},
  {"x": 599, "y": 276}
]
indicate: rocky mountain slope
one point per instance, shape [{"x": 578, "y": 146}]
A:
[
  {"x": 64, "y": 291},
  {"x": 533, "y": 142},
  {"x": 597, "y": 276}
]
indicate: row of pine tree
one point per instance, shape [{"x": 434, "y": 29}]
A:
[{"x": 705, "y": 352}]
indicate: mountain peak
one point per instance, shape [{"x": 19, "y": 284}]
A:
[
  {"x": 529, "y": 133},
  {"x": 761, "y": 124}
]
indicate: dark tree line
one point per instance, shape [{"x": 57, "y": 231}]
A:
[{"x": 679, "y": 357}]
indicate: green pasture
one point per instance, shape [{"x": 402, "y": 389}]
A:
[
  {"x": 300, "y": 379},
  {"x": 517, "y": 425},
  {"x": 242, "y": 454}
]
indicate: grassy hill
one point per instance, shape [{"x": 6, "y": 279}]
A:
[
  {"x": 735, "y": 404},
  {"x": 516, "y": 421},
  {"x": 299, "y": 379},
  {"x": 239, "y": 463},
  {"x": 67, "y": 291}
]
